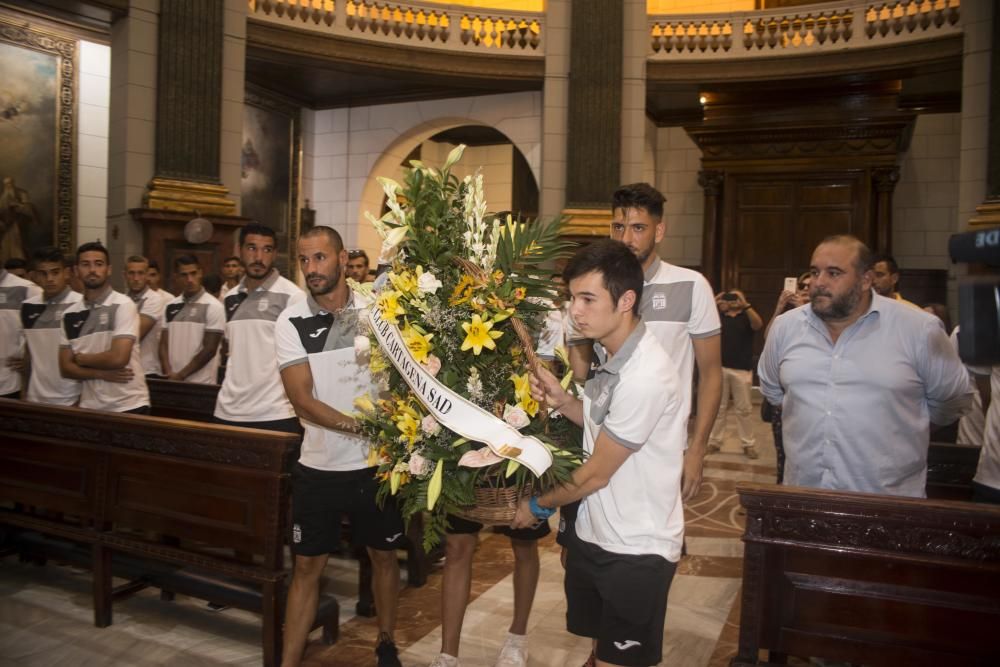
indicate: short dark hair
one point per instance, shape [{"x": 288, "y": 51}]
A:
[
  {"x": 323, "y": 230},
  {"x": 639, "y": 195},
  {"x": 258, "y": 229},
  {"x": 46, "y": 254},
  {"x": 153, "y": 264},
  {"x": 212, "y": 284},
  {"x": 15, "y": 263},
  {"x": 234, "y": 258},
  {"x": 865, "y": 260},
  {"x": 137, "y": 259},
  {"x": 184, "y": 260},
  {"x": 93, "y": 246},
  {"x": 889, "y": 260},
  {"x": 618, "y": 266},
  {"x": 357, "y": 252}
]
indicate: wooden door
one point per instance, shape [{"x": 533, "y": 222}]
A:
[{"x": 773, "y": 222}]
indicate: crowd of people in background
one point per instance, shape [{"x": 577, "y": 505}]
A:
[{"x": 852, "y": 377}]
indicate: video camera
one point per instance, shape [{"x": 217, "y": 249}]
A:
[{"x": 978, "y": 297}]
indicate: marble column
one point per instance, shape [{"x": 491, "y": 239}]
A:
[
  {"x": 132, "y": 124},
  {"x": 978, "y": 30},
  {"x": 189, "y": 108},
  {"x": 594, "y": 149},
  {"x": 635, "y": 50},
  {"x": 555, "y": 105}
]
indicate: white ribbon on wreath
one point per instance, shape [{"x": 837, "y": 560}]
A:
[{"x": 454, "y": 411}]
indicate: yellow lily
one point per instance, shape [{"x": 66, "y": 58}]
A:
[
  {"x": 419, "y": 344},
  {"x": 388, "y": 304},
  {"x": 479, "y": 335}
]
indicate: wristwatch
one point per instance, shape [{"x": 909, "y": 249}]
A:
[{"x": 540, "y": 513}]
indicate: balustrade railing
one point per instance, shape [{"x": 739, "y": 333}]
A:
[
  {"x": 801, "y": 30},
  {"x": 431, "y": 25}
]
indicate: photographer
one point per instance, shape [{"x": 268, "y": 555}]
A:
[{"x": 739, "y": 322}]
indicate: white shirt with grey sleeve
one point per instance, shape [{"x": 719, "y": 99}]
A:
[{"x": 186, "y": 322}]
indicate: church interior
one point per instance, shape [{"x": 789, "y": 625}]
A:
[{"x": 767, "y": 125}]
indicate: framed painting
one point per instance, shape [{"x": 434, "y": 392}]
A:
[
  {"x": 37, "y": 129},
  {"x": 270, "y": 168}
]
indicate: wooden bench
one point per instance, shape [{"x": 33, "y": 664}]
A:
[
  {"x": 868, "y": 579},
  {"x": 186, "y": 400},
  {"x": 950, "y": 469},
  {"x": 110, "y": 485}
]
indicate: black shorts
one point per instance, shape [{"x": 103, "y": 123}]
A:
[
  {"x": 321, "y": 497},
  {"x": 459, "y": 526},
  {"x": 619, "y": 600},
  {"x": 567, "y": 524}
]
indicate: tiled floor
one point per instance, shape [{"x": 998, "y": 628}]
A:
[{"x": 46, "y": 619}]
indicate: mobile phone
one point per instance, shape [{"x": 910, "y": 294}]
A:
[{"x": 791, "y": 284}]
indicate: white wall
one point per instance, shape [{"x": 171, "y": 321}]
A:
[
  {"x": 925, "y": 202},
  {"x": 678, "y": 160},
  {"x": 94, "y": 94},
  {"x": 345, "y": 149}
]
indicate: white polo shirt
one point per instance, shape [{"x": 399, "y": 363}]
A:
[
  {"x": 305, "y": 333},
  {"x": 89, "y": 328},
  {"x": 186, "y": 321},
  {"x": 252, "y": 390},
  {"x": 151, "y": 303},
  {"x": 635, "y": 398},
  {"x": 988, "y": 472},
  {"x": 42, "y": 321},
  {"x": 13, "y": 292}
]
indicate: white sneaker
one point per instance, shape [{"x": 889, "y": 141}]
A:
[
  {"x": 513, "y": 654},
  {"x": 445, "y": 660}
]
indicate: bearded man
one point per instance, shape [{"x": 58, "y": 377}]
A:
[{"x": 859, "y": 378}]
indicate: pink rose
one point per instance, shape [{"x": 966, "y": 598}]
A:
[
  {"x": 432, "y": 364},
  {"x": 418, "y": 464},
  {"x": 515, "y": 416},
  {"x": 429, "y": 425}
]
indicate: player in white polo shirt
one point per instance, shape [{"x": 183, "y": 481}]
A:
[
  {"x": 99, "y": 340},
  {"x": 322, "y": 374},
  {"x": 251, "y": 394},
  {"x": 192, "y": 328},
  {"x": 41, "y": 317},
  {"x": 14, "y": 291},
  {"x": 630, "y": 526},
  {"x": 150, "y": 303}
]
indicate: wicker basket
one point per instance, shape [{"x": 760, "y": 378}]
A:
[{"x": 495, "y": 506}]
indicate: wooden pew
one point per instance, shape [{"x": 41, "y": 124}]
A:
[
  {"x": 869, "y": 579},
  {"x": 185, "y": 400},
  {"x": 950, "y": 469},
  {"x": 111, "y": 482}
]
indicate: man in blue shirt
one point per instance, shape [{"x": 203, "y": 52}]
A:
[{"x": 859, "y": 378}]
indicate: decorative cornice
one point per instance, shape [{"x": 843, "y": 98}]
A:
[{"x": 334, "y": 49}]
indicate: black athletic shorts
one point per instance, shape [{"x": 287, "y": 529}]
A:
[
  {"x": 619, "y": 600},
  {"x": 567, "y": 524},
  {"x": 321, "y": 497},
  {"x": 459, "y": 526}
]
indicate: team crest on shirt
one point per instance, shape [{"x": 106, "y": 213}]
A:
[
  {"x": 659, "y": 301},
  {"x": 603, "y": 397},
  {"x": 3, "y": 298},
  {"x": 262, "y": 305},
  {"x": 104, "y": 319}
]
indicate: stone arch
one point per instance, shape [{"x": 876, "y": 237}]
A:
[{"x": 388, "y": 164}]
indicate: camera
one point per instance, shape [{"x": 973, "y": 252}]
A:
[{"x": 978, "y": 297}]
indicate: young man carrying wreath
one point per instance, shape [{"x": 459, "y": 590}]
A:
[{"x": 630, "y": 526}]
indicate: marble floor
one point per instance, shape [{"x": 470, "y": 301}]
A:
[{"x": 46, "y": 618}]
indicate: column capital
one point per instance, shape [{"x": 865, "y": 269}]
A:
[{"x": 711, "y": 181}]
